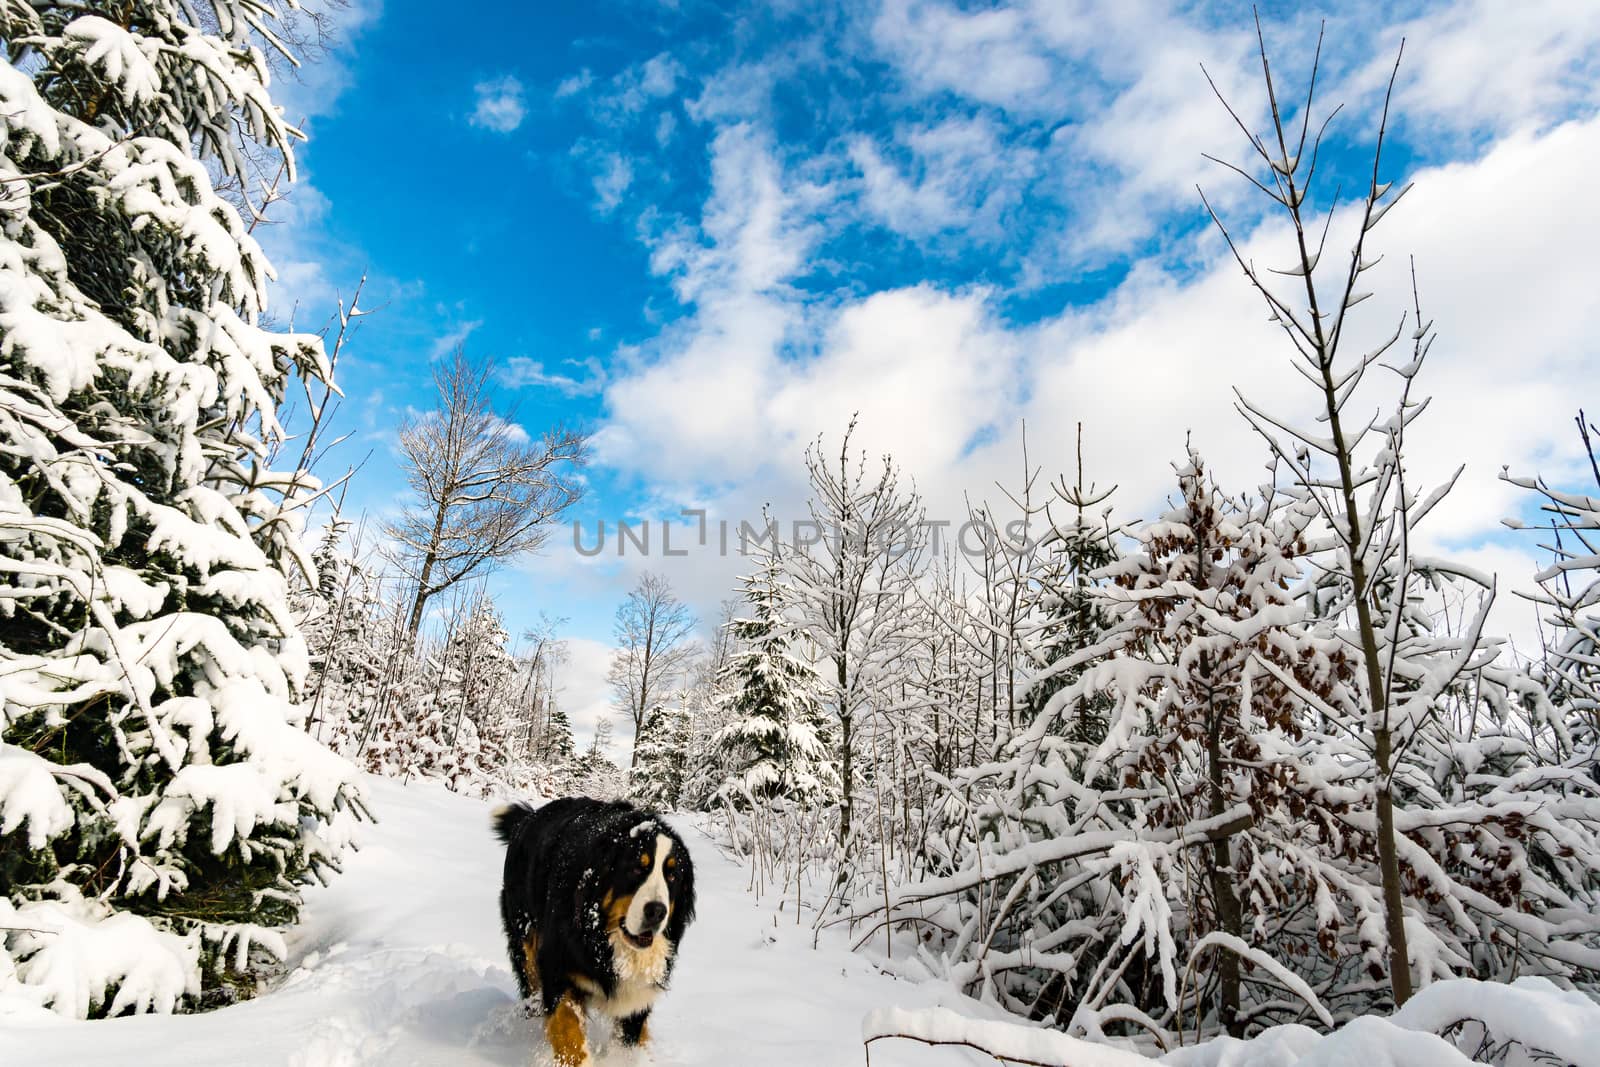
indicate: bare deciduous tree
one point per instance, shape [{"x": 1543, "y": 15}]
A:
[
  {"x": 485, "y": 493},
  {"x": 653, "y": 649},
  {"x": 856, "y": 587}
]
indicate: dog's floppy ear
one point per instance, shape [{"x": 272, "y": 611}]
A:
[{"x": 683, "y": 895}]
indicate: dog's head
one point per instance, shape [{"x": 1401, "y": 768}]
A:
[{"x": 648, "y": 882}]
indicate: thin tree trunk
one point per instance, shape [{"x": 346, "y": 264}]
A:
[
  {"x": 1228, "y": 918},
  {"x": 846, "y": 764},
  {"x": 1388, "y": 853},
  {"x": 421, "y": 600}
]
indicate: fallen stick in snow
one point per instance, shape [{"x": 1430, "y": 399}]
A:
[{"x": 1006, "y": 1042}]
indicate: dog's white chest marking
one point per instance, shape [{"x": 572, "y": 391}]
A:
[{"x": 640, "y": 973}]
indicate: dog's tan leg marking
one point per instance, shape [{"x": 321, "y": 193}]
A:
[
  {"x": 530, "y": 962},
  {"x": 564, "y": 1028}
]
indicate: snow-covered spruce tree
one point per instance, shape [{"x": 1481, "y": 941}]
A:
[
  {"x": 708, "y": 764},
  {"x": 480, "y": 662},
  {"x": 593, "y": 773},
  {"x": 1077, "y": 546},
  {"x": 661, "y": 754},
  {"x": 777, "y": 741},
  {"x": 160, "y": 805},
  {"x": 555, "y": 746}
]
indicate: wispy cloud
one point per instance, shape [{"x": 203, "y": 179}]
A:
[
  {"x": 575, "y": 84},
  {"x": 452, "y": 339},
  {"x": 612, "y": 182},
  {"x": 956, "y": 174},
  {"x": 501, "y": 104},
  {"x": 523, "y": 372}
]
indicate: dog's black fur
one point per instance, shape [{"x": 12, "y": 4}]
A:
[{"x": 572, "y": 869}]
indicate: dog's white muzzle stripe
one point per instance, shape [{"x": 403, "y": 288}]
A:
[{"x": 654, "y": 889}]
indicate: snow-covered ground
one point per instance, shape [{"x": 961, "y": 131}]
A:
[{"x": 401, "y": 962}]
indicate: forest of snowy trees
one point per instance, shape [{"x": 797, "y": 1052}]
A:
[{"x": 1254, "y": 760}]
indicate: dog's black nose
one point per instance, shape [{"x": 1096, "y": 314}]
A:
[{"x": 655, "y": 913}]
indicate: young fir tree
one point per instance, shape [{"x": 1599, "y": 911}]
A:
[
  {"x": 1211, "y": 680},
  {"x": 662, "y": 754},
  {"x": 160, "y": 805},
  {"x": 778, "y": 739},
  {"x": 593, "y": 773},
  {"x": 481, "y": 672},
  {"x": 1074, "y": 619},
  {"x": 556, "y": 746}
]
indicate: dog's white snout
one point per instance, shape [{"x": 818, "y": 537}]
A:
[{"x": 651, "y": 903}]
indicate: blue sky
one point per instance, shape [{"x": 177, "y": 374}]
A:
[{"x": 707, "y": 233}]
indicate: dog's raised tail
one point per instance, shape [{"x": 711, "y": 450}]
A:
[{"x": 507, "y": 818}]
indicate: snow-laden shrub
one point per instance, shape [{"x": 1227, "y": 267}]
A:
[
  {"x": 1211, "y": 860},
  {"x": 160, "y": 803}
]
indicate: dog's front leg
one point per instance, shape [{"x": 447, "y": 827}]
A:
[
  {"x": 632, "y": 1030},
  {"x": 564, "y": 1028}
]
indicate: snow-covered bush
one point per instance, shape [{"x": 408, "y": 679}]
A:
[
  {"x": 1212, "y": 858},
  {"x": 1569, "y": 597},
  {"x": 160, "y": 803},
  {"x": 462, "y": 703}
]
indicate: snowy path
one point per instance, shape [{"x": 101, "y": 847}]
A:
[{"x": 402, "y": 962}]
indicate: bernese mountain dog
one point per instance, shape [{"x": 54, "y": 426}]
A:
[{"x": 595, "y": 900}]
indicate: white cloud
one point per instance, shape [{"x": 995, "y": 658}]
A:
[
  {"x": 959, "y": 177},
  {"x": 1118, "y": 85},
  {"x": 631, "y": 92},
  {"x": 729, "y": 395},
  {"x": 659, "y": 75},
  {"x": 612, "y": 182},
  {"x": 500, "y": 106},
  {"x": 694, "y": 397},
  {"x": 991, "y": 55},
  {"x": 582, "y": 690},
  {"x": 452, "y": 339},
  {"x": 1484, "y": 65},
  {"x": 666, "y": 126},
  {"x": 514, "y": 431},
  {"x": 520, "y": 372},
  {"x": 575, "y": 84}
]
